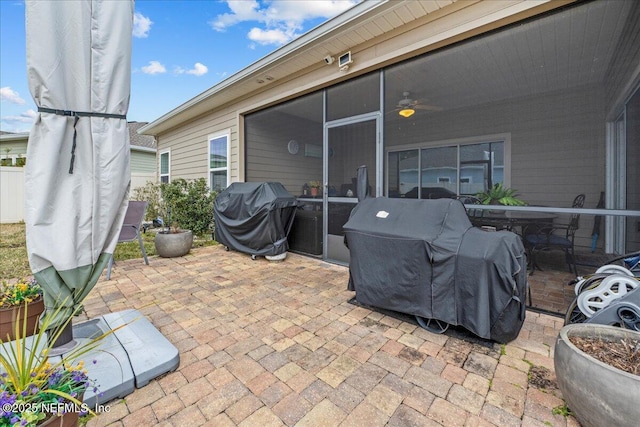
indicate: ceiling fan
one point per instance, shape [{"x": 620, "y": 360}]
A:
[{"x": 406, "y": 107}]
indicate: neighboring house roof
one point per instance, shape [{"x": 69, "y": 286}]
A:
[
  {"x": 11, "y": 136},
  {"x": 138, "y": 141}
]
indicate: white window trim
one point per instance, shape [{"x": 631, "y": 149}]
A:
[
  {"x": 160, "y": 174},
  {"x": 226, "y": 133}
]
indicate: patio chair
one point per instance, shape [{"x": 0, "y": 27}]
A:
[
  {"x": 130, "y": 230},
  {"x": 557, "y": 236},
  {"x": 471, "y": 200}
]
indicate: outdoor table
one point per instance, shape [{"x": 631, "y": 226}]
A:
[{"x": 511, "y": 219}]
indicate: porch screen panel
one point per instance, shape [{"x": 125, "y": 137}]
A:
[
  {"x": 633, "y": 172},
  {"x": 358, "y": 96}
]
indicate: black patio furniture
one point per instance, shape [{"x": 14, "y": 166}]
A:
[{"x": 556, "y": 236}]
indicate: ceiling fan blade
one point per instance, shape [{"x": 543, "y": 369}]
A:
[{"x": 427, "y": 107}]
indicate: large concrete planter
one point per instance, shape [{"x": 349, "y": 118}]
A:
[
  {"x": 598, "y": 394},
  {"x": 171, "y": 245}
]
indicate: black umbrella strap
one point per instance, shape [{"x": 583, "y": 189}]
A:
[{"x": 77, "y": 115}]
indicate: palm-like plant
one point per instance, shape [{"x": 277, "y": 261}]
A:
[{"x": 498, "y": 194}]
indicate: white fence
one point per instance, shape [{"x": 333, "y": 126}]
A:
[{"x": 12, "y": 191}]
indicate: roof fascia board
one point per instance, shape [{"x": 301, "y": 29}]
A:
[
  {"x": 143, "y": 149},
  {"x": 14, "y": 137}
]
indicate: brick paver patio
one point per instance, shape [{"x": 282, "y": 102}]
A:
[{"x": 277, "y": 343}]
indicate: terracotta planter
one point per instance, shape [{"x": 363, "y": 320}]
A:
[
  {"x": 69, "y": 419},
  {"x": 12, "y": 315},
  {"x": 314, "y": 191},
  {"x": 171, "y": 245},
  {"x": 598, "y": 394}
]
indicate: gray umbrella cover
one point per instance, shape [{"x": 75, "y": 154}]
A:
[{"x": 77, "y": 176}]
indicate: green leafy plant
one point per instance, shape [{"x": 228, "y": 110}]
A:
[
  {"x": 188, "y": 205},
  {"x": 151, "y": 194},
  {"x": 498, "y": 194},
  {"x": 24, "y": 291},
  {"x": 315, "y": 184},
  {"x": 31, "y": 384}
]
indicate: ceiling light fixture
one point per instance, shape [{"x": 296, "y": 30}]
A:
[{"x": 406, "y": 112}]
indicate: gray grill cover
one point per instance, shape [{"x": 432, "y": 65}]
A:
[
  {"x": 254, "y": 217},
  {"x": 424, "y": 258}
]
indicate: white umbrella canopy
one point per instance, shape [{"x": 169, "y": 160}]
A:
[{"x": 77, "y": 176}]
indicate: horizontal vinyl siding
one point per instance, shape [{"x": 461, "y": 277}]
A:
[
  {"x": 268, "y": 158},
  {"x": 143, "y": 162},
  {"x": 189, "y": 146},
  {"x": 16, "y": 148}
]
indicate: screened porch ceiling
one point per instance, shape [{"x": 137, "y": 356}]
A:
[{"x": 572, "y": 48}]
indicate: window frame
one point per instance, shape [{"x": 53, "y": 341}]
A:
[
  {"x": 223, "y": 134},
  {"x": 505, "y": 138},
  {"x": 168, "y": 174}
]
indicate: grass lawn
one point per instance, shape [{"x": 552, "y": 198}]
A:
[{"x": 14, "y": 263}]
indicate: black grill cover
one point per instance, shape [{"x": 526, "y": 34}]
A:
[
  {"x": 424, "y": 258},
  {"x": 254, "y": 217}
]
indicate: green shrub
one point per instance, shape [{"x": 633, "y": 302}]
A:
[
  {"x": 189, "y": 205},
  {"x": 151, "y": 194}
]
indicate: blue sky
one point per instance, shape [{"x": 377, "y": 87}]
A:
[{"x": 180, "y": 49}]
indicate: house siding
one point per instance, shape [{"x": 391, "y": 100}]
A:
[
  {"x": 143, "y": 162},
  {"x": 189, "y": 146}
]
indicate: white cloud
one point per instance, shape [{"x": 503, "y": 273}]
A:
[
  {"x": 282, "y": 19},
  {"x": 21, "y": 123},
  {"x": 8, "y": 94},
  {"x": 154, "y": 67},
  {"x": 197, "y": 70},
  {"x": 141, "y": 25},
  {"x": 276, "y": 36}
]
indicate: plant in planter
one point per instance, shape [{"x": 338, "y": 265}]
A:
[
  {"x": 187, "y": 208},
  {"x": 598, "y": 372},
  {"x": 498, "y": 194},
  {"x": 36, "y": 390},
  {"x": 7, "y": 161},
  {"x": 17, "y": 300},
  {"x": 315, "y": 187},
  {"x": 21, "y": 161}
]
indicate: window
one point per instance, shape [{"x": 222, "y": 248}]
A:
[
  {"x": 164, "y": 166},
  {"x": 218, "y": 162},
  {"x": 479, "y": 166}
]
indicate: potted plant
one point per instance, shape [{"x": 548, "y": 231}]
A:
[
  {"x": 16, "y": 300},
  {"x": 21, "y": 161},
  {"x": 36, "y": 390},
  {"x": 498, "y": 194},
  {"x": 598, "y": 372},
  {"x": 7, "y": 161},
  {"x": 172, "y": 241},
  {"x": 315, "y": 187},
  {"x": 187, "y": 209}
]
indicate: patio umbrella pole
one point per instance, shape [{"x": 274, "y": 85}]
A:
[{"x": 64, "y": 342}]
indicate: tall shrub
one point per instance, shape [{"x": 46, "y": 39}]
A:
[
  {"x": 151, "y": 194},
  {"x": 191, "y": 204}
]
